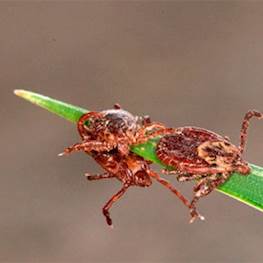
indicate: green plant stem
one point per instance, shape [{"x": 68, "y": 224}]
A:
[{"x": 247, "y": 189}]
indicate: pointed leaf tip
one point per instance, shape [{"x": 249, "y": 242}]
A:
[
  {"x": 19, "y": 92},
  {"x": 63, "y": 109}
]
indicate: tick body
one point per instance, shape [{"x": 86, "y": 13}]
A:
[
  {"x": 130, "y": 170},
  {"x": 113, "y": 129},
  {"x": 198, "y": 154}
]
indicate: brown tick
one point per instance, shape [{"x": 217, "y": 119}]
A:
[
  {"x": 114, "y": 129},
  {"x": 199, "y": 154},
  {"x": 130, "y": 169}
]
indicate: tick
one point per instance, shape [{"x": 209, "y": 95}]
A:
[
  {"x": 130, "y": 170},
  {"x": 114, "y": 129},
  {"x": 198, "y": 154}
]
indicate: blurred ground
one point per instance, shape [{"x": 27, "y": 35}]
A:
[{"x": 183, "y": 63}]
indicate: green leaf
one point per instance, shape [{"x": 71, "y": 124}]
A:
[
  {"x": 65, "y": 110},
  {"x": 247, "y": 189}
]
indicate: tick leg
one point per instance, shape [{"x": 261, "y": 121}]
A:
[
  {"x": 114, "y": 198},
  {"x": 123, "y": 148},
  {"x": 146, "y": 120},
  {"x": 166, "y": 171},
  {"x": 117, "y": 106},
  {"x": 183, "y": 177},
  {"x": 194, "y": 213},
  {"x": 98, "y": 176},
  {"x": 88, "y": 147},
  {"x": 188, "y": 177},
  {"x": 244, "y": 127},
  {"x": 206, "y": 186},
  {"x": 142, "y": 135}
]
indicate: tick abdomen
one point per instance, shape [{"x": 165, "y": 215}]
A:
[{"x": 182, "y": 146}]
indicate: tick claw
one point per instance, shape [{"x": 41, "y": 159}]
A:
[
  {"x": 192, "y": 220},
  {"x": 89, "y": 177},
  {"x": 195, "y": 215},
  {"x": 202, "y": 218}
]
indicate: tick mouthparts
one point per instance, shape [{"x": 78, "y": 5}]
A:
[{"x": 61, "y": 154}]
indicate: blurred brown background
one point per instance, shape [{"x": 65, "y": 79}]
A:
[{"x": 182, "y": 63}]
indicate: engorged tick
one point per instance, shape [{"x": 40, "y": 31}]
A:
[
  {"x": 198, "y": 154},
  {"x": 130, "y": 169}
]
